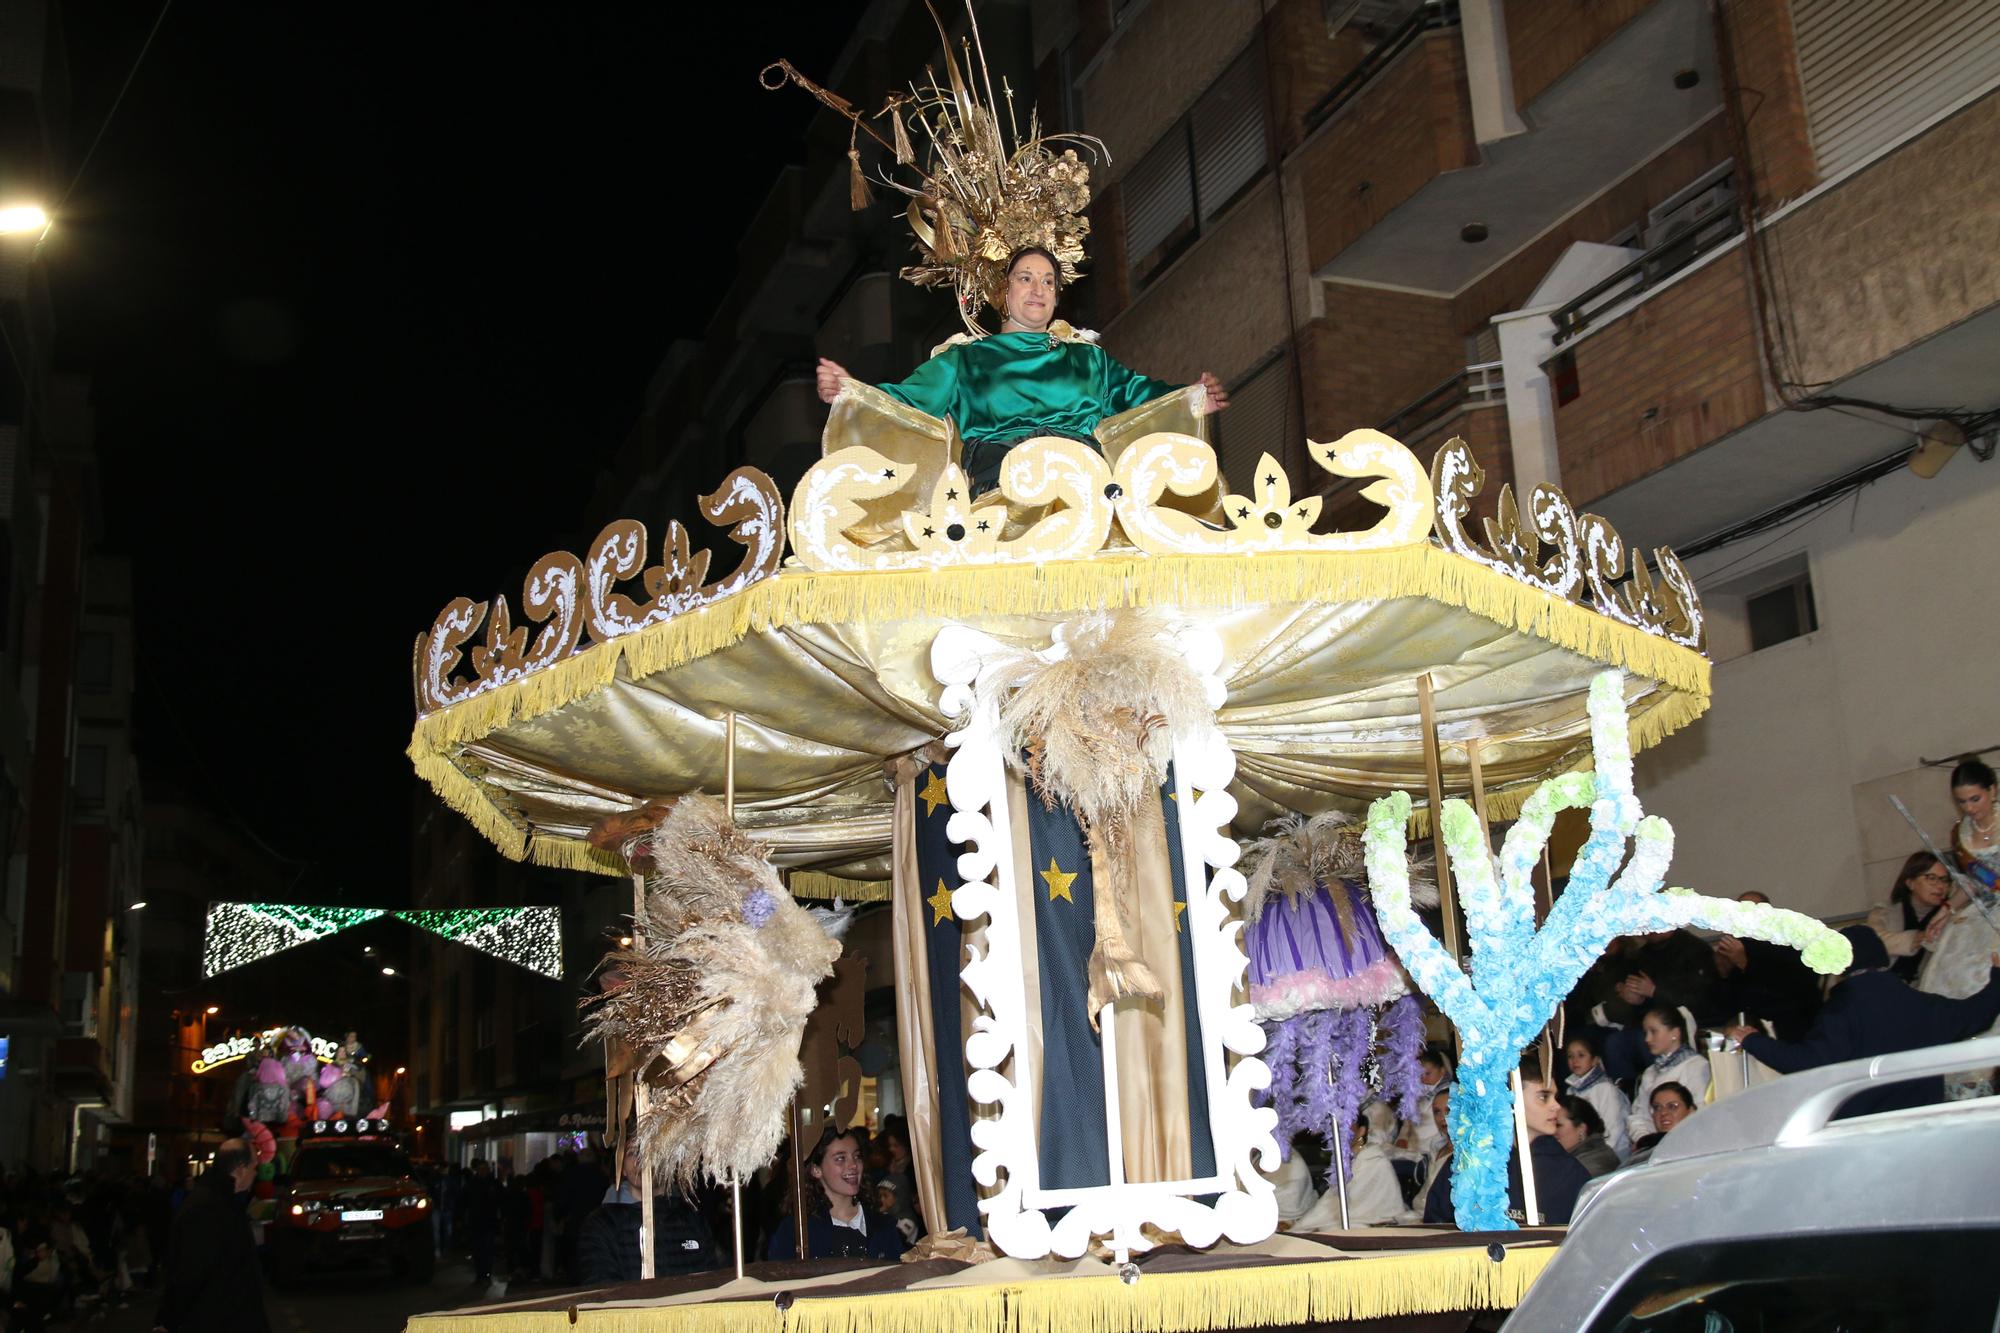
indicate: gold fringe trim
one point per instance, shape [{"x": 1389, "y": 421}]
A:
[
  {"x": 1329, "y": 1291},
  {"x": 576, "y": 854},
  {"x": 822, "y": 887},
  {"x": 803, "y": 597}
]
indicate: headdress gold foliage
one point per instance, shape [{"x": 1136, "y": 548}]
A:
[
  {"x": 983, "y": 193},
  {"x": 714, "y": 999}
]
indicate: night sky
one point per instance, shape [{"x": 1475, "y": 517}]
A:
[{"x": 368, "y": 295}]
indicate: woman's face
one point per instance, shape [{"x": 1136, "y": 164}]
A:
[
  {"x": 1931, "y": 887},
  {"x": 1661, "y": 1038},
  {"x": 1974, "y": 800},
  {"x": 840, "y": 1170},
  {"x": 1568, "y": 1132},
  {"x": 1429, "y": 1073},
  {"x": 1669, "y": 1109},
  {"x": 1581, "y": 1061},
  {"x": 1031, "y": 293},
  {"x": 1441, "y": 1114}
]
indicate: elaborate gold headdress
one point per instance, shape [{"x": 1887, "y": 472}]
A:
[{"x": 978, "y": 200}]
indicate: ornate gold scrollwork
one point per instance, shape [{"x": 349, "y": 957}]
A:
[
  {"x": 566, "y": 594},
  {"x": 1587, "y": 551},
  {"x": 1066, "y": 478},
  {"x": 1268, "y": 519}
]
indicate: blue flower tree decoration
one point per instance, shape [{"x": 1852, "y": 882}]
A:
[{"x": 1519, "y": 975}]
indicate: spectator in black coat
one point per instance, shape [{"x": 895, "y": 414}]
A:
[
  {"x": 1765, "y": 981},
  {"x": 1559, "y": 1177},
  {"x": 212, "y": 1284},
  {"x": 577, "y": 1196},
  {"x": 1671, "y": 968},
  {"x": 479, "y": 1217},
  {"x": 607, "y": 1240},
  {"x": 1875, "y": 1012},
  {"x": 839, "y": 1224}
]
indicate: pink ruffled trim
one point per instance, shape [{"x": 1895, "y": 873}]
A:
[{"x": 1378, "y": 983}]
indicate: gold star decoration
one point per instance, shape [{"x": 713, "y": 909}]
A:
[
  {"x": 1058, "y": 882},
  {"x": 933, "y": 795},
  {"x": 940, "y": 904},
  {"x": 1178, "y": 909}
]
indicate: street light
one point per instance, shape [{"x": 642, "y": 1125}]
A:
[
  {"x": 214, "y": 1009},
  {"x": 138, "y": 906},
  {"x": 388, "y": 971},
  {"x": 23, "y": 219},
  {"x": 401, "y": 1070}
]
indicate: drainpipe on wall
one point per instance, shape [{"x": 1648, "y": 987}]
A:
[{"x": 1489, "y": 71}]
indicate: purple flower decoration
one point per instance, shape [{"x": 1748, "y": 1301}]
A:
[{"x": 758, "y": 905}]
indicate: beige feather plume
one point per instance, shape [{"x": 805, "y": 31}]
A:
[{"x": 715, "y": 998}]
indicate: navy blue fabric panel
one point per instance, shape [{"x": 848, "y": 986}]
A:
[
  {"x": 937, "y": 869},
  {"x": 1201, "y": 1140},
  {"x": 1071, "y": 1135}
]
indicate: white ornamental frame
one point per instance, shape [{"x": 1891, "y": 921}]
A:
[{"x": 1246, "y": 1206}]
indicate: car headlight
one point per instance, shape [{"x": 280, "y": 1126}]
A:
[{"x": 413, "y": 1201}]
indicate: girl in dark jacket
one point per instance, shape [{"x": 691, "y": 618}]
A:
[{"x": 838, "y": 1224}]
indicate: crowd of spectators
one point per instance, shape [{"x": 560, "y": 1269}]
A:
[{"x": 76, "y": 1243}]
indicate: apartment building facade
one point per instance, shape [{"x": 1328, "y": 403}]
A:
[{"x": 1714, "y": 269}]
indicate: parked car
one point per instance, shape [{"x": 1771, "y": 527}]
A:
[
  {"x": 1765, "y": 1212},
  {"x": 352, "y": 1195}
]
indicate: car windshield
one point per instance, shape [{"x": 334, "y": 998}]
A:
[{"x": 350, "y": 1161}]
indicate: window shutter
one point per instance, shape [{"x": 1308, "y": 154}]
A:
[
  {"x": 1257, "y": 422},
  {"x": 1229, "y": 133},
  {"x": 1159, "y": 201},
  {"x": 1874, "y": 70}
]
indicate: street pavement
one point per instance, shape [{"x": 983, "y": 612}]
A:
[{"x": 355, "y": 1300}]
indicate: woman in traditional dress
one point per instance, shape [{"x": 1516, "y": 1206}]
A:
[
  {"x": 1584, "y": 1053},
  {"x": 1036, "y": 376},
  {"x": 1915, "y": 915},
  {"x": 1669, "y": 1035},
  {"x": 1961, "y": 954}
]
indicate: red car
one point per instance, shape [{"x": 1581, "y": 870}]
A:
[{"x": 352, "y": 1197}]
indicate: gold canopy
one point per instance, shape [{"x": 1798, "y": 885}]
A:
[{"x": 829, "y": 669}]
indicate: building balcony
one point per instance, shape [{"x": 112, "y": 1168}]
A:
[
  {"x": 1406, "y": 191},
  {"x": 1877, "y": 287}
]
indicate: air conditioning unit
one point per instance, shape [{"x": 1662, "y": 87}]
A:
[{"x": 1687, "y": 210}]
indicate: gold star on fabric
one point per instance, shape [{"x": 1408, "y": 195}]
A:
[
  {"x": 933, "y": 795},
  {"x": 1058, "y": 882},
  {"x": 1178, "y": 909},
  {"x": 940, "y": 904}
]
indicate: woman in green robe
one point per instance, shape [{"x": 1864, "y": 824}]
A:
[{"x": 1037, "y": 376}]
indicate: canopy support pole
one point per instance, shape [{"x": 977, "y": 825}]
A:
[
  {"x": 1521, "y": 1147},
  {"x": 642, "y": 1099},
  {"x": 729, "y": 809},
  {"x": 1434, "y": 778}
]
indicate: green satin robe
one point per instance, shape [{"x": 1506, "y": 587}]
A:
[{"x": 1007, "y": 387}]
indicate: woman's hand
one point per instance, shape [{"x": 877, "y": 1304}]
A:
[
  {"x": 1937, "y": 924},
  {"x": 1739, "y": 1031},
  {"x": 827, "y": 379},
  {"x": 1218, "y": 397}
]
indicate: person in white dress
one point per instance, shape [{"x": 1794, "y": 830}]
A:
[
  {"x": 1669, "y": 1035},
  {"x": 1588, "y": 1080}
]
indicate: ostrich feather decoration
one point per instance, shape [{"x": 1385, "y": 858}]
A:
[{"x": 714, "y": 998}]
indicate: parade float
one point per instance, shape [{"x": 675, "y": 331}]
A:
[{"x": 1041, "y": 718}]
